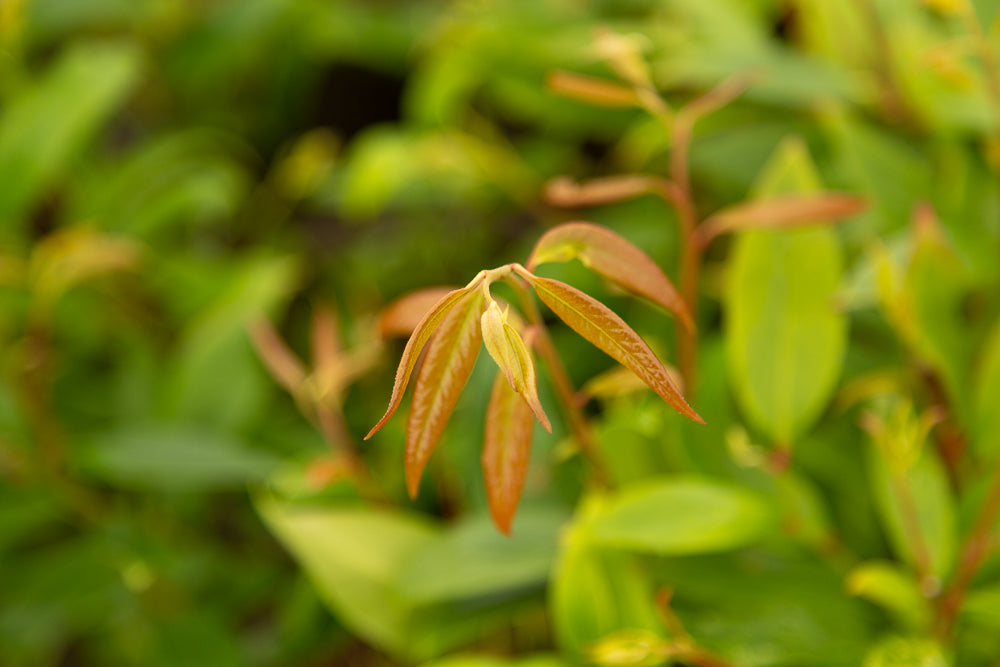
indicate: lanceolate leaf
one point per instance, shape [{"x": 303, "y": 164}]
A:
[
  {"x": 506, "y": 451},
  {"x": 786, "y": 211},
  {"x": 602, "y": 327},
  {"x": 613, "y": 257},
  {"x": 421, "y": 334},
  {"x": 403, "y": 315},
  {"x": 451, "y": 354},
  {"x": 506, "y": 347}
]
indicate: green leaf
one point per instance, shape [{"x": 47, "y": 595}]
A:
[
  {"x": 907, "y": 652},
  {"x": 983, "y": 605},
  {"x": 472, "y": 560},
  {"x": 895, "y": 590},
  {"x": 508, "y": 350},
  {"x": 173, "y": 459},
  {"x": 596, "y": 591},
  {"x": 785, "y": 341},
  {"x": 216, "y": 378},
  {"x": 768, "y": 607},
  {"x": 675, "y": 516},
  {"x": 354, "y": 556},
  {"x": 918, "y": 492},
  {"x": 44, "y": 128}
]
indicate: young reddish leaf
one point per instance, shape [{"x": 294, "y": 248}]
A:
[
  {"x": 450, "y": 356},
  {"x": 507, "y": 349},
  {"x": 421, "y": 333},
  {"x": 601, "y": 326},
  {"x": 506, "y": 451},
  {"x": 591, "y": 89},
  {"x": 613, "y": 257},
  {"x": 563, "y": 191},
  {"x": 401, "y": 316},
  {"x": 789, "y": 211},
  {"x": 282, "y": 363}
]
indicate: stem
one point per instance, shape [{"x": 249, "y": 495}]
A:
[
  {"x": 978, "y": 546},
  {"x": 678, "y": 192},
  {"x": 564, "y": 387}
]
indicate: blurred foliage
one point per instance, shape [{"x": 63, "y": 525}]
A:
[{"x": 175, "y": 174}]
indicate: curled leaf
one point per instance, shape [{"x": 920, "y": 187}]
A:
[
  {"x": 786, "y": 211},
  {"x": 451, "y": 355},
  {"x": 506, "y": 451},
  {"x": 613, "y": 257},
  {"x": 421, "y": 334},
  {"x": 601, "y": 326},
  {"x": 403, "y": 315},
  {"x": 509, "y": 351}
]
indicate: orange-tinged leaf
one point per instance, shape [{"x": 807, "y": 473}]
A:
[
  {"x": 506, "y": 451},
  {"x": 591, "y": 89},
  {"x": 511, "y": 354},
  {"x": 789, "y": 211},
  {"x": 281, "y": 362},
  {"x": 403, "y": 315},
  {"x": 565, "y": 192},
  {"x": 421, "y": 334},
  {"x": 451, "y": 355},
  {"x": 613, "y": 257},
  {"x": 601, "y": 326}
]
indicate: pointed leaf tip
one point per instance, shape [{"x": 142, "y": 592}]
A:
[
  {"x": 613, "y": 257},
  {"x": 512, "y": 357},
  {"x": 421, "y": 334},
  {"x": 506, "y": 452},
  {"x": 602, "y": 327},
  {"x": 450, "y": 358}
]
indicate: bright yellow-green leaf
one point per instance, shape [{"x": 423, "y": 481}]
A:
[
  {"x": 506, "y": 347},
  {"x": 675, "y": 516},
  {"x": 596, "y": 591},
  {"x": 785, "y": 340},
  {"x": 987, "y": 403},
  {"x": 888, "y": 586}
]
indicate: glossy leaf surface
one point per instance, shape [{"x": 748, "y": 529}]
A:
[
  {"x": 506, "y": 451},
  {"x": 613, "y": 257},
  {"x": 596, "y": 590},
  {"x": 784, "y": 338},
  {"x": 451, "y": 355},
  {"x": 676, "y": 516},
  {"x": 511, "y": 354},
  {"x": 472, "y": 561},
  {"x": 421, "y": 334},
  {"x": 602, "y": 327}
]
